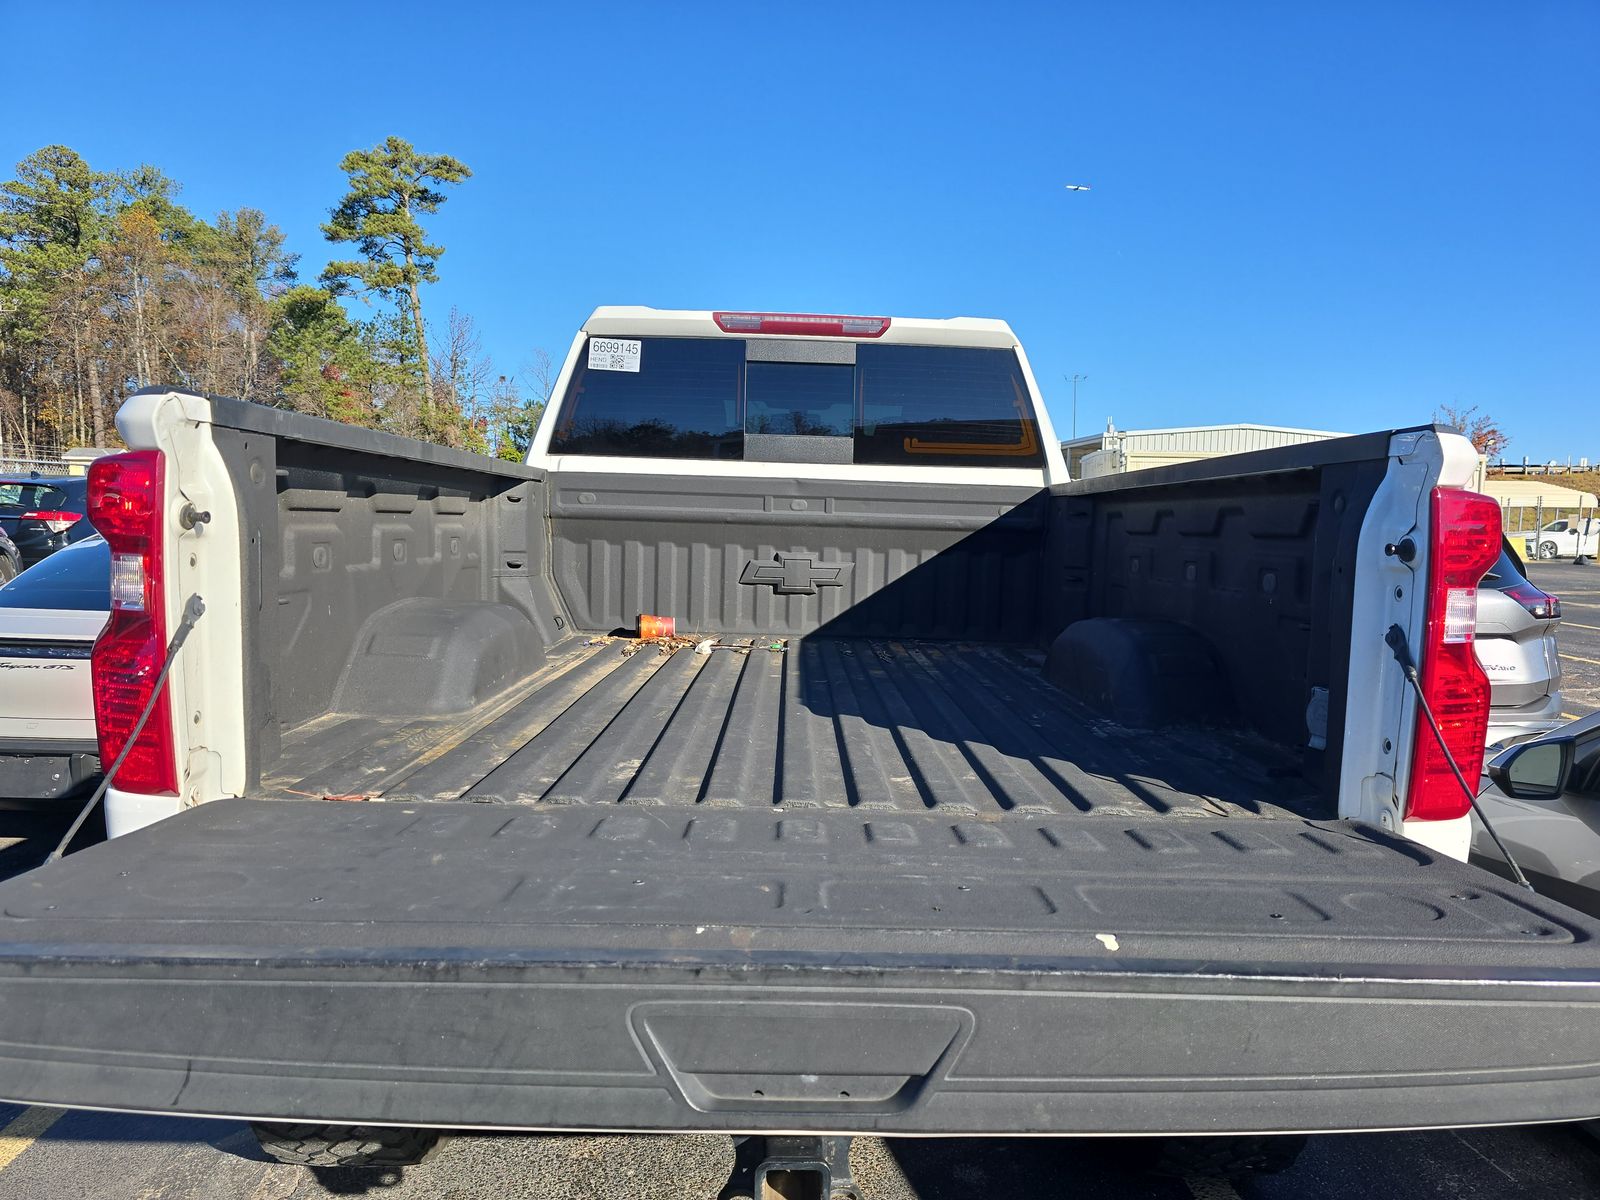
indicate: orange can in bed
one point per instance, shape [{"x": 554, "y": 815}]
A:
[{"x": 651, "y": 627}]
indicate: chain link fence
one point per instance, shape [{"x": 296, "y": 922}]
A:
[
  {"x": 11, "y": 464},
  {"x": 1556, "y": 530}
]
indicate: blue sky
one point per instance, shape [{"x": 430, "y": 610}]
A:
[{"x": 1333, "y": 215}]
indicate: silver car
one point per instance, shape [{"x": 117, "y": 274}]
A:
[
  {"x": 1516, "y": 645},
  {"x": 50, "y": 616},
  {"x": 1544, "y": 801}
]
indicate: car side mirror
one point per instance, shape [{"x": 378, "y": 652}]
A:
[{"x": 1534, "y": 770}]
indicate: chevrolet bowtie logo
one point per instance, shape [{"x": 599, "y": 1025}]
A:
[{"x": 794, "y": 574}]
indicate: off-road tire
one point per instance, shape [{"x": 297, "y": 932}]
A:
[
  {"x": 1548, "y": 550},
  {"x": 345, "y": 1145},
  {"x": 1225, "y": 1157}
]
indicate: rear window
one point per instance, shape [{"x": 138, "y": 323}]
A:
[
  {"x": 814, "y": 399},
  {"x": 1504, "y": 573},
  {"x": 699, "y": 397},
  {"x": 944, "y": 404},
  {"x": 78, "y": 577},
  {"x": 31, "y": 496},
  {"x": 683, "y": 401}
]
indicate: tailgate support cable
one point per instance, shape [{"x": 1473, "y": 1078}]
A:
[
  {"x": 1396, "y": 638},
  {"x": 192, "y": 612}
]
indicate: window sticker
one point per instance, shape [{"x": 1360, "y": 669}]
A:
[{"x": 613, "y": 354}]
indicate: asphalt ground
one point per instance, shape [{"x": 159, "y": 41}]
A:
[
  {"x": 1578, "y": 640},
  {"x": 47, "y": 1154}
]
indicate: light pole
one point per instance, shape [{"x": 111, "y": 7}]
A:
[{"x": 1075, "y": 380}]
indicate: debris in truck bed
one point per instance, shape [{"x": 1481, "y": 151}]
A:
[{"x": 344, "y": 796}]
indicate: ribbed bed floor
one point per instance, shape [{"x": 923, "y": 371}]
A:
[{"x": 820, "y": 723}]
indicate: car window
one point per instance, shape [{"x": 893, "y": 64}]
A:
[
  {"x": 78, "y": 577},
  {"x": 677, "y": 398},
  {"x": 945, "y": 406},
  {"x": 29, "y": 496},
  {"x": 1504, "y": 573},
  {"x": 698, "y": 397}
]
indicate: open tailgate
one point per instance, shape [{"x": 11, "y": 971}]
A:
[{"x": 664, "y": 969}]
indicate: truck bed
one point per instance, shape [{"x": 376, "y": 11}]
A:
[
  {"x": 871, "y": 873},
  {"x": 816, "y": 722}
]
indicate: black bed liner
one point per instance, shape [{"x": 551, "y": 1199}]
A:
[
  {"x": 568, "y": 967},
  {"x": 811, "y": 723}
]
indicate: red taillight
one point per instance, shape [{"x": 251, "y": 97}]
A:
[
  {"x": 803, "y": 324},
  {"x": 1465, "y": 541},
  {"x": 56, "y": 522},
  {"x": 125, "y": 505},
  {"x": 1538, "y": 602}
]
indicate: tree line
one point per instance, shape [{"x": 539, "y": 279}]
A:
[{"x": 108, "y": 284}]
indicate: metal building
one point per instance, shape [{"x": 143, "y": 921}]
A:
[{"x": 1118, "y": 450}]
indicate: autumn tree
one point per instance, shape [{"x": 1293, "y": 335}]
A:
[
  {"x": 1481, "y": 430},
  {"x": 108, "y": 284},
  {"x": 326, "y": 362},
  {"x": 240, "y": 269},
  {"x": 55, "y": 220},
  {"x": 140, "y": 266},
  {"x": 391, "y": 187},
  {"x": 462, "y": 378},
  {"x": 518, "y": 414}
]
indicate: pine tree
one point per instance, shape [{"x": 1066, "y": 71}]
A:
[{"x": 391, "y": 186}]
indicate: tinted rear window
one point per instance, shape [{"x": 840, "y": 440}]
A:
[
  {"x": 947, "y": 405},
  {"x": 29, "y": 496},
  {"x": 684, "y": 401},
  {"x": 78, "y": 577},
  {"x": 817, "y": 399},
  {"x": 1504, "y": 573},
  {"x": 698, "y": 397}
]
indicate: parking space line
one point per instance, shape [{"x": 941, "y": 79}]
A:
[
  {"x": 1575, "y": 625},
  {"x": 24, "y": 1129},
  {"x": 1579, "y": 658}
]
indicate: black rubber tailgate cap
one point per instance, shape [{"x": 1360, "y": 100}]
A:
[{"x": 659, "y": 968}]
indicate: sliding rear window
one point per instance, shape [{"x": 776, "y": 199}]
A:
[
  {"x": 655, "y": 398},
  {"x": 894, "y": 404},
  {"x": 944, "y": 406}
]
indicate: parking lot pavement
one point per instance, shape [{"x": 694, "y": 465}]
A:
[
  {"x": 49, "y": 1155},
  {"x": 86, "y": 1156},
  {"x": 1578, "y": 640}
]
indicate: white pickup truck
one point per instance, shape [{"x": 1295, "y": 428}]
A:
[
  {"x": 968, "y": 799},
  {"x": 1569, "y": 537}
]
